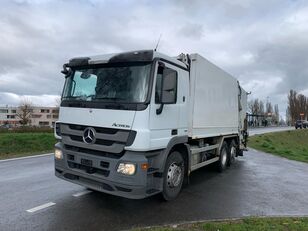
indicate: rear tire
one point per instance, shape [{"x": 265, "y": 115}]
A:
[
  {"x": 223, "y": 156},
  {"x": 173, "y": 176},
  {"x": 231, "y": 153}
]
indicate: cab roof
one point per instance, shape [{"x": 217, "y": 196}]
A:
[{"x": 132, "y": 56}]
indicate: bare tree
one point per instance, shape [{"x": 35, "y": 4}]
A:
[
  {"x": 58, "y": 101},
  {"x": 302, "y": 102},
  {"x": 298, "y": 106},
  {"x": 269, "y": 108},
  {"x": 24, "y": 111},
  {"x": 261, "y": 108},
  {"x": 276, "y": 114},
  {"x": 288, "y": 116},
  {"x": 256, "y": 107}
]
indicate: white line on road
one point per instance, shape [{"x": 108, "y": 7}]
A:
[
  {"x": 27, "y": 157},
  {"x": 40, "y": 207},
  {"x": 82, "y": 193}
]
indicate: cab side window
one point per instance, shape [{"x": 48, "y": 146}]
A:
[
  {"x": 158, "y": 86},
  {"x": 163, "y": 72}
]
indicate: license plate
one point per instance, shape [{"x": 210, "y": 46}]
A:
[{"x": 86, "y": 162}]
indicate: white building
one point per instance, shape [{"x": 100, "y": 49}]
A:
[{"x": 39, "y": 116}]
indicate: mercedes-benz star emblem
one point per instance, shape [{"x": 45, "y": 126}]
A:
[{"x": 89, "y": 135}]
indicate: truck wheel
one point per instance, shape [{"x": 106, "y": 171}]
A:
[
  {"x": 223, "y": 156},
  {"x": 231, "y": 153},
  {"x": 173, "y": 176}
]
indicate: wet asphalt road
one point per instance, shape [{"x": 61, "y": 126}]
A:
[{"x": 257, "y": 184}]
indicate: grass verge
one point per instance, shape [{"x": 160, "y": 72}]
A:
[
  {"x": 25, "y": 144},
  {"x": 249, "y": 224},
  {"x": 289, "y": 144}
]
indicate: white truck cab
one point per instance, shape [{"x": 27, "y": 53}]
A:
[{"x": 136, "y": 124}]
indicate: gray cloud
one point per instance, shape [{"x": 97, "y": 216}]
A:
[{"x": 263, "y": 43}]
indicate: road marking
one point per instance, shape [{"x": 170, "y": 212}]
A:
[
  {"x": 40, "y": 207},
  {"x": 81, "y": 193},
  {"x": 27, "y": 157}
]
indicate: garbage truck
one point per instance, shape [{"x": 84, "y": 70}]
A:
[{"x": 136, "y": 124}]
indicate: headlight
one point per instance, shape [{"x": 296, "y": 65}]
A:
[
  {"x": 127, "y": 168},
  {"x": 58, "y": 154}
]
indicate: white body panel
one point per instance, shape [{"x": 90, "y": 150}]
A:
[
  {"x": 213, "y": 109},
  {"x": 97, "y": 117}
]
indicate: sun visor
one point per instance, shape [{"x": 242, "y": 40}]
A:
[{"x": 80, "y": 61}]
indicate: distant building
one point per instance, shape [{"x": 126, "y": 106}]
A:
[{"x": 39, "y": 116}]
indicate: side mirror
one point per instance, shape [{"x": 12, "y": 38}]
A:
[
  {"x": 67, "y": 71},
  {"x": 169, "y": 82}
]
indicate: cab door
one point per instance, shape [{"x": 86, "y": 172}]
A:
[{"x": 170, "y": 119}]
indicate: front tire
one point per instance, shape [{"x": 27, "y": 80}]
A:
[{"x": 173, "y": 176}]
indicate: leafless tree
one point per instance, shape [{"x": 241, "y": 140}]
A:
[
  {"x": 264, "y": 112},
  {"x": 288, "y": 117},
  {"x": 256, "y": 107},
  {"x": 58, "y": 101},
  {"x": 269, "y": 108},
  {"x": 24, "y": 111},
  {"x": 276, "y": 114},
  {"x": 298, "y": 106},
  {"x": 261, "y": 108}
]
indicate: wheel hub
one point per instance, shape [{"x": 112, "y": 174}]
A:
[{"x": 174, "y": 175}]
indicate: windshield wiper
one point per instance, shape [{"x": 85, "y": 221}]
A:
[
  {"x": 80, "y": 97},
  {"x": 72, "y": 97},
  {"x": 110, "y": 98}
]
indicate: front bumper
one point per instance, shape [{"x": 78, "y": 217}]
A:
[{"x": 102, "y": 175}]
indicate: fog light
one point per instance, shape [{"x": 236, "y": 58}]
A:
[
  {"x": 127, "y": 168},
  {"x": 58, "y": 154}
]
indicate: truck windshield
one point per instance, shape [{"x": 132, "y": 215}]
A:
[{"x": 124, "y": 83}]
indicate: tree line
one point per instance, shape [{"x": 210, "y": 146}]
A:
[
  {"x": 264, "y": 111},
  {"x": 297, "y": 107}
]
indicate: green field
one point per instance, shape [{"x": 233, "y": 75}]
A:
[
  {"x": 249, "y": 224},
  {"x": 14, "y": 144},
  {"x": 289, "y": 144}
]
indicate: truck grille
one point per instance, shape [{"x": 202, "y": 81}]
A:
[
  {"x": 87, "y": 169},
  {"x": 109, "y": 142},
  {"x": 93, "y": 152}
]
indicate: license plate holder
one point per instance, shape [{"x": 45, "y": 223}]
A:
[{"x": 86, "y": 162}]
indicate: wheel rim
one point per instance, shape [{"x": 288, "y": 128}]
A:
[
  {"x": 174, "y": 175},
  {"x": 223, "y": 157}
]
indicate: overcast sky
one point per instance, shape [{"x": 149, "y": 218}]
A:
[{"x": 262, "y": 43}]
